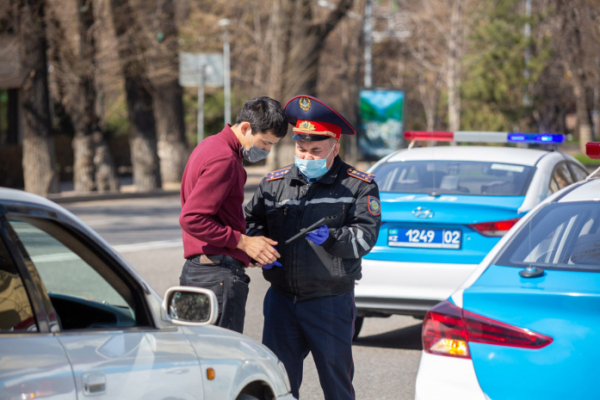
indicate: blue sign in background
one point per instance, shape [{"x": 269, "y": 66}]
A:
[{"x": 381, "y": 122}]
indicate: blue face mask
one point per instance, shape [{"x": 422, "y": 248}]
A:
[{"x": 313, "y": 169}]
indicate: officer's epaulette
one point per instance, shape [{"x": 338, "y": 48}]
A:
[
  {"x": 278, "y": 174},
  {"x": 363, "y": 176}
]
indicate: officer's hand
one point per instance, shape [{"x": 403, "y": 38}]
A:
[
  {"x": 319, "y": 235},
  {"x": 259, "y": 248}
]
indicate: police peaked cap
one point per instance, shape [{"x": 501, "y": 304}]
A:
[{"x": 314, "y": 120}]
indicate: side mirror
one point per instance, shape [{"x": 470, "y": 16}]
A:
[{"x": 191, "y": 306}]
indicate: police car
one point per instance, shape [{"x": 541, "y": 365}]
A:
[
  {"x": 525, "y": 324},
  {"x": 445, "y": 207},
  {"x": 76, "y": 322}
]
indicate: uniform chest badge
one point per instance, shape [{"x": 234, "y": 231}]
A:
[
  {"x": 304, "y": 103},
  {"x": 373, "y": 206}
]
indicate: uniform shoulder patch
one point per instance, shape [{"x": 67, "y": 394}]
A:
[
  {"x": 278, "y": 174},
  {"x": 373, "y": 206},
  {"x": 363, "y": 176}
]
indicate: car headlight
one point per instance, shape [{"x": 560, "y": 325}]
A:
[{"x": 286, "y": 379}]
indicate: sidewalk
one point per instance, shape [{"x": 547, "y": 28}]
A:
[{"x": 68, "y": 195}]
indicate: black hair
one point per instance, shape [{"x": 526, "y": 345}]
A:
[{"x": 264, "y": 115}]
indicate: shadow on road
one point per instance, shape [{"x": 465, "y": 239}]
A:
[{"x": 408, "y": 338}]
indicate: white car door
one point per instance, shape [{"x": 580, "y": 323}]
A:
[
  {"x": 32, "y": 362},
  {"x": 109, "y": 336}
]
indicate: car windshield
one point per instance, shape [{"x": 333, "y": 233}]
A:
[
  {"x": 559, "y": 235},
  {"x": 454, "y": 177}
]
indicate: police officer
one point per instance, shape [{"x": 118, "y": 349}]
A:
[{"x": 310, "y": 304}]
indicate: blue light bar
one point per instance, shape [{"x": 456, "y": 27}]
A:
[{"x": 547, "y": 138}]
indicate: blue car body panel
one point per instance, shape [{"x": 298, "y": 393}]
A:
[
  {"x": 449, "y": 212},
  {"x": 564, "y": 305}
]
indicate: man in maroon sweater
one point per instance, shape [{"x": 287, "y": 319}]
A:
[{"x": 215, "y": 244}]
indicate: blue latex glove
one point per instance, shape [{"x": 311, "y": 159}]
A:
[
  {"x": 270, "y": 265},
  {"x": 319, "y": 235}
]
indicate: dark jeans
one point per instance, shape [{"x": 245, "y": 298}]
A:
[
  {"x": 323, "y": 327},
  {"x": 229, "y": 283}
]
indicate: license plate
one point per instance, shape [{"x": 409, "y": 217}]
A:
[{"x": 429, "y": 238}]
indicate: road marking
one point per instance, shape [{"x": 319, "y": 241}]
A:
[{"x": 161, "y": 244}]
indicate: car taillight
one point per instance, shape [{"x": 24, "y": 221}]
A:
[
  {"x": 494, "y": 228},
  {"x": 448, "y": 329}
]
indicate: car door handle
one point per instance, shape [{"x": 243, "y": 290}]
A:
[{"x": 93, "y": 383}]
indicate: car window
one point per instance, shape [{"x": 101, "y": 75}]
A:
[
  {"x": 578, "y": 173},
  {"x": 561, "y": 177},
  {"x": 454, "y": 177},
  {"x": 559, "y": 235},
  {"x": 81, "y": 296},
  {"x": 16, "y": 313}
]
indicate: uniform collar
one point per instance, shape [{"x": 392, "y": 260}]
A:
[{"x": 326, "y": 179}]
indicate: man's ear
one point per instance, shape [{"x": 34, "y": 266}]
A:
[
  {"x": 245, "y": 127},
  {"x": 337, "y": 150}
]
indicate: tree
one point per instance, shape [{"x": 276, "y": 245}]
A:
[
  {"x": 578, "y": 23},
  {"x": 166, "y": 91},
  {"x": 73, "y": 72},
  {"x": 500, "y": 90},
  {"x": 138, "y": 91},
  {"x": 302, "y": 54},
  {"x": 41, "y": 176}
]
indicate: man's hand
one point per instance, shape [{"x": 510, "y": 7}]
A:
[
  {"x": 319, "y": 235},
  {"x": 259, "y": 248}
]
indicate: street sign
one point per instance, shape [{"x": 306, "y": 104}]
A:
[{"x": 190, "y": 65}]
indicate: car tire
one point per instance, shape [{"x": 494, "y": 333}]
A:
[
  {"x": 244, "y": 396},
  {"x": 358, "y": 323}
]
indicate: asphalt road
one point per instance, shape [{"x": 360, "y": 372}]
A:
[{"x": 147, "y": 233}]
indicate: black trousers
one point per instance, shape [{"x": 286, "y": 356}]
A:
[
  {"x": 323, "y": 327},
  {"x": 229, "y": 282}
]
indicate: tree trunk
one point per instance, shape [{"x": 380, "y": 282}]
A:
[
  {"x": 91, "y": 154},
  {"x": 584, "y": 126},
  {"x": 39, "y": 164},
  {"x": 142, "y": 126},
  {"x": 172, "y": 148},
  {"x": 168, "y": 97},
  {"x": 453, "y": 69}
]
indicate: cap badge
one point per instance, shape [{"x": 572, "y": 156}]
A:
[
  {"x": 307, "y": 126},
  {"x": 304, "y": 103}
]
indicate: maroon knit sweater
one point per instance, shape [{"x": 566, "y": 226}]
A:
[{"x": 212, "y": 195}]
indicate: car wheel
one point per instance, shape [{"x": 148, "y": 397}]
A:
[
  {"x": 244, "y": 396},
  {"x": 358, "y": 323}
]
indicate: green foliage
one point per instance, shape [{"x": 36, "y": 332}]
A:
[
  {"x": 495, "y": 86},
  {"x": 116, "y": 120},
  {"x": 585, "y": 160},
  {"x": 214, "y": 112}
]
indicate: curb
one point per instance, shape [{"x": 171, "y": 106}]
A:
[
  {"x": 111, "y": 196},
  {"x": 61, "y": 199}
]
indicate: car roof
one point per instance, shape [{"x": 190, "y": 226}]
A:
[
  {"x": 508, "y": 155},
  {"x": 587, "y": 191},
  {"x": 7, "y": 194}
]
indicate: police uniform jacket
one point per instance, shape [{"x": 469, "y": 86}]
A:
[{"x": 285, "y": 203}]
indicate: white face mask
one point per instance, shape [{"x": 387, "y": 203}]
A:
[{"x": 254, "y": 153}]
